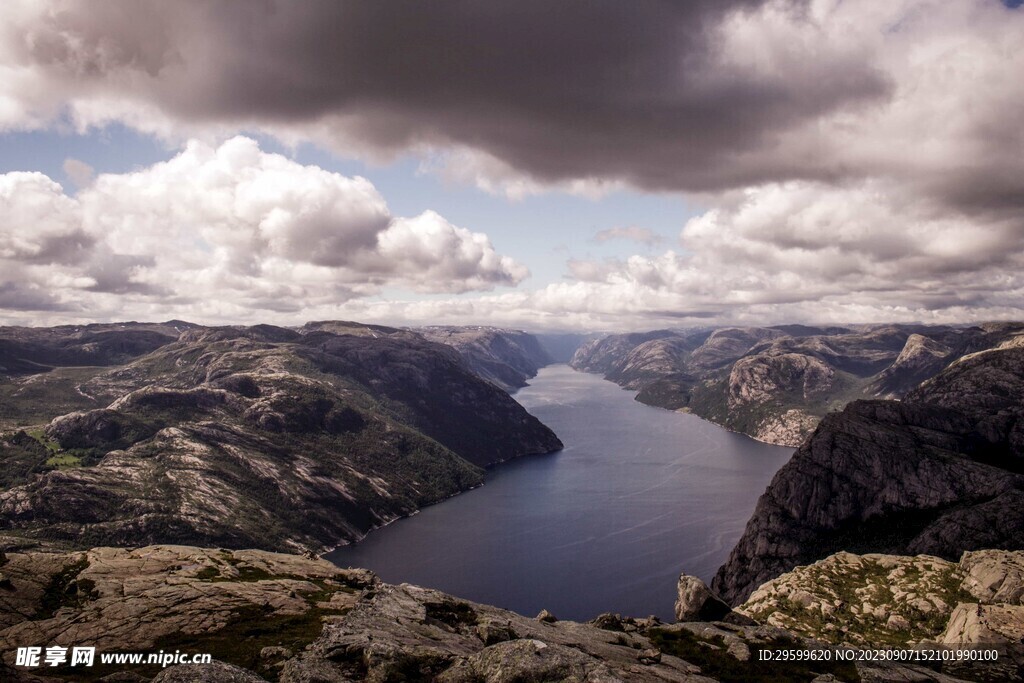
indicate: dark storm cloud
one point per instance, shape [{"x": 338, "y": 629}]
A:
[
  {"x": 72, "y": 247},
  {"x": 18, "y": 297},
  {"x": 853, "y": 160},
  {"x": 636, "y": 91}
]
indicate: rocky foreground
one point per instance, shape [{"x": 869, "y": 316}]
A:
[
  {"x": 878, "y": 600},
  {"x": 274, "y": 617}
]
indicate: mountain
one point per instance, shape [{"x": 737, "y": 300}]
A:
[
  {"x": 505, "y": 357},
  {"x": 940, "y": 472},
  {"x": 605, "y": 353},
  {"x": 776, "y": 383},
  {"x": 29, "y": 350},
  {"x": 920, "y": 359},
  {"x": 260, "y": 437},
  {"x": 42, "y": 369},
  {"x": 275, "y": 617}
]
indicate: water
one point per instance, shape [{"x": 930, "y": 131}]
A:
[{"x": 638, "y": 495}]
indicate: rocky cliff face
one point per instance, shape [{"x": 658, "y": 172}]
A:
[
  {"x": 264, "y": 437},
  {"x": 938, "y": 473},
  {"x": 505, "y": 357},
  {"x": 775, "y": 384},
  {"x": 920, "y": 359}
]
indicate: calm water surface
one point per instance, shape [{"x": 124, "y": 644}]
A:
[{"x": 638, "y": 495}]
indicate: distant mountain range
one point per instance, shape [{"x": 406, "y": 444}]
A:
[{"x": 776, "y": 383}]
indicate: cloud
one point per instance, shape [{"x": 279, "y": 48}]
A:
[
  {"x": 517, "y": 98},
  {"x": 79, "y": 172},
  {"x": 17, "y": 297},
  {"x": 651, "y": 93},
  {"x": 810, "y": 252},
  {"x": 856, "y": 159},
  {"x": 630, "y": 233},
  {"x": 799, "y": 252},
  {"x": 230, "y": 229}
]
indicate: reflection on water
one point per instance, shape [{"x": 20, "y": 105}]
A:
[{"x": 638, "y": 495}]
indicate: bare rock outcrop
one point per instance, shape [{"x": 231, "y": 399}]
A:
[
  {"x": 884, "y": 601},
  {"x": 134, "y": 600},
  {"x": 215, "y": 672},
  {"x": 696, "y": 602},
  {"x": 272, "y": 617}
]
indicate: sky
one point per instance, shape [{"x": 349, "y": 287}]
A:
[{"x": 582, "y": 165}]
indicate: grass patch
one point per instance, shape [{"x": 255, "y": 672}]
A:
[
  {"x": 47, "y": 443},
  {"x": 64, "y": 460},
  {"x": 248, "y": 574},
  {"x": 252, "y": 629},
  {"x": 452, "y": 613},
  {"x": 249, "y": 631}
]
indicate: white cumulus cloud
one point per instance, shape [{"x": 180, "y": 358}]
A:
[{"x": 228, "y": 230}]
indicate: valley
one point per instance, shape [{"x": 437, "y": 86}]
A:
[{"x": 199, "y": 464}]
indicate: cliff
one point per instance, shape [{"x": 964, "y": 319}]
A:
[{"x": 939, "y": 474}]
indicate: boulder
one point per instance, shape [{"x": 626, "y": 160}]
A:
[
  {"x": 972, "y": 623},
  {"x": 994, "y": 576},
  {"x": 547, "y": 617},
  {"x": 696, "y": 602}
]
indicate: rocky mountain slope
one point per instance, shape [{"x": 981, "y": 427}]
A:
[
  {"x": 260, "y": 437},
  {"x": 776, "y": 383},
  {"x": 273, "y": 617},
  {"x": 505, "y": 357},
  {"x": 29, "y": 350},
  {"x": 938, "y": 473},
  {"x": 42, "y": 369}
]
